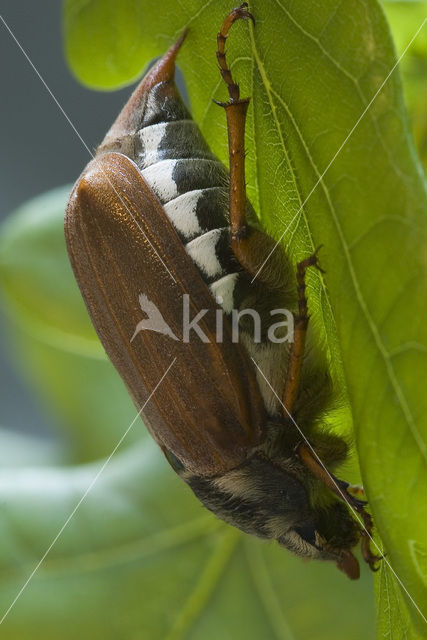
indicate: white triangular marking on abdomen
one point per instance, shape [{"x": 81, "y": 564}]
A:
[
  {"x": 159, "y": 178},
  {"x": 150, "y": 138},
  {"x": 203, "y": 251},
  {"x": 182, "y": 213}
]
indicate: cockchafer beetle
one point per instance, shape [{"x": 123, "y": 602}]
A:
[{"x": 155, "y": 219}]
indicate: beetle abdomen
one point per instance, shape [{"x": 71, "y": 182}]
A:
[{"x": 192, "y": 185}]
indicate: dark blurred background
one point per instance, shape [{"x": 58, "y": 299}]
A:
[{"x": 39, "y": 149}]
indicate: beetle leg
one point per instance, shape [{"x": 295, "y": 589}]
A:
[
  {"x": 296, "y": 353},
  {"x": 341, "y": 489},
  {"x": 236, "y": 14},
  {"x": 247, "y": 243},
  {"x": 235, "y": 109}
]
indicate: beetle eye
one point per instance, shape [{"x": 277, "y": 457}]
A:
[
  {"x": 307, "y": 533},
  {"x": 173, "y": 461}
]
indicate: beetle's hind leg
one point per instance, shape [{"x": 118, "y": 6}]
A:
[
  {"x": 249, "y": 245},
  {"x": 236, "y": 14},
  {"x": 236, "y": 109}
]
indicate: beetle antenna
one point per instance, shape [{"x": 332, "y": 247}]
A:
[{"x": 236, "y": 14}]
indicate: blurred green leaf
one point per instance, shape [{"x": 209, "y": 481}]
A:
[
  {"x": 142, "y": 559},
  {"x": 24, "y": 450},
  {"x": 405, "y": 19},
  {"x": 58, "y": 350}
]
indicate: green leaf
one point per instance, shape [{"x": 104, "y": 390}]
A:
[
  {"x": 395, "y": 619},
  {"x": 405, "y": 19},
  {"x": 326, "y": 167},
  {"x": 141, "y": 559}
]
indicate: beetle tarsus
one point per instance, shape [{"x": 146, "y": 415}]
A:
[
  {"x": 236, "y": 14},
  {"x": 370, "y": 558}
]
